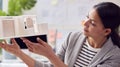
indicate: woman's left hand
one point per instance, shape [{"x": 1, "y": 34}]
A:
[{"x": 41, "y": 48}]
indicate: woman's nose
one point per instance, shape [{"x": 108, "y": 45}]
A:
[{"x": 86, "y": 22}]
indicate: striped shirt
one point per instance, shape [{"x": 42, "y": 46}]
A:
[{"x": 86, "y": 54}]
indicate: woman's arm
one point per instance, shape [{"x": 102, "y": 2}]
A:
[
  {"x": 26, "y": 59},
  {"x": 42, "y": 48},
  {"x": 56, "y": 61}
]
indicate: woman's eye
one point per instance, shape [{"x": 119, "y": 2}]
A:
[{"x": 92, "y": 22}]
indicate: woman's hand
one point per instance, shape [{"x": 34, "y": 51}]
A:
[
  {"x": 12, "y": 48},
  {"x": 41, "y": 48}
]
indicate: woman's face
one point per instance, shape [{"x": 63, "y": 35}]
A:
[{"x": 93, "y": 26}]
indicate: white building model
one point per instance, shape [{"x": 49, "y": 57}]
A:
[{"x": 17, "y": 26}]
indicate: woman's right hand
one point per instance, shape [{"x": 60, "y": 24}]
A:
[
  {"x": 12, "y": 48},
  {"x": 15, "y": 49}
]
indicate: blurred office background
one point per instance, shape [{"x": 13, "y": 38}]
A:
[{"x": 62, "y": 16}]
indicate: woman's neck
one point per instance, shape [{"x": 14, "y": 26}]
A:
[{"x": 96, "y": 42}]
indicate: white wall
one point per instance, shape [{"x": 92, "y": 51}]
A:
[
  {"x": 114, "y": 1},
  {"x": 59, "y": 13}
]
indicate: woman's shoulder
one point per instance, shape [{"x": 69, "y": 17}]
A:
[
  {"x": 76, "y": 33},
  {"x": 116, "y": 50},
  {"x": 74, "y": 36}
]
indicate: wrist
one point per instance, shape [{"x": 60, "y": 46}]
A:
[
  {"x": 57, "y": 62},
  {"x": 51, "y": 56},
  {"x": 19, "y": 53}
]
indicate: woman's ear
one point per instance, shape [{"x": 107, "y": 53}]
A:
[{"x": 107, "y": 31}]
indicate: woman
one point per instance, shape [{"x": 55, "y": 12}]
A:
[{"x": 97, "y": 46}]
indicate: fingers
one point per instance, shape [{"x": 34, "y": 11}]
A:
[
  {"x": 41, "y": 41},
  {"x": 1, "y": 45},
  {"x": 32, "y": 46},
  {"x": 22, "y": 38},
  {"x": 13, "y": 41},
  {"x": 4, "y": 46},
  {"x": 28, "y": 43},
  {"x": 25, "y": 40}
]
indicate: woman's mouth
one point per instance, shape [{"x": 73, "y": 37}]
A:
[{"x": 85, "y": 30}]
